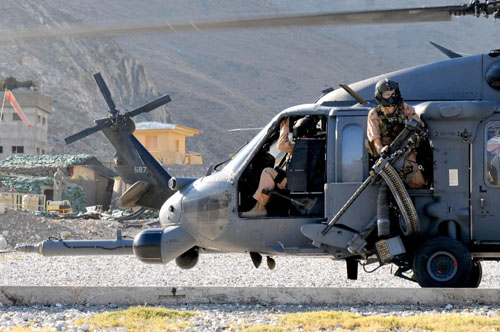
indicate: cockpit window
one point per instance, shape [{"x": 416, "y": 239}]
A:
[
  {"x": 352, "y": 153},
  {"x": 240, "y": 157},
  {"x": 492, "y": 151}
]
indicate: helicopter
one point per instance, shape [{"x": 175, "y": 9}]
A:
[{"x": 440, "y": 233}]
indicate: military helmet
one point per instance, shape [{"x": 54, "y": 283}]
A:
[
  {"x": 304, "y": 127},
  {"x": 387, "y": 85}
]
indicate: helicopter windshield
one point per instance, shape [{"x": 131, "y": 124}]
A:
[{"x": 240, "y": 157}]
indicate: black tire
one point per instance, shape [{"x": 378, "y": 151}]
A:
[
  {"x": 476, "y": 275},
  {"x": 443, "y": 262}
]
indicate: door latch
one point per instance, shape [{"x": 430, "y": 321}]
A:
[{"x": 482, "y": 202}]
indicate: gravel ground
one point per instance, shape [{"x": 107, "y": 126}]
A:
[{"x": 212, "y": 270}]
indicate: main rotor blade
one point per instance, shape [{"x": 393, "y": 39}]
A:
[
  {"x": 105, "y": 92},
  {"x": 245, "y": 129},
  {"x": 149, "y": 106},
  {"x": 103, "y": 123},
  {"x": 408, "y": 15}
]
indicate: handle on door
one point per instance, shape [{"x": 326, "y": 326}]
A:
[{"x": 482, "y": 202}]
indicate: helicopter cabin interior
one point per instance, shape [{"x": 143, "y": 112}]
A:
[
  {"x": 305, "y": 172},
  {"x": 321, "y": 173}
]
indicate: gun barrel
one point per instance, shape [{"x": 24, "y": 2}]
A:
[{"x": 80, "y": 247}]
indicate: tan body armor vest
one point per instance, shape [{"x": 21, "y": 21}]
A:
[{"x": 390, "y": 125}]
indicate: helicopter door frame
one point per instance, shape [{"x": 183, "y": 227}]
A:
[
  {"x": 350, "y": 124},
  {"x": 276, "y": 121},
  {"x": 347, "y": 129}
]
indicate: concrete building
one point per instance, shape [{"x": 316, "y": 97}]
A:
[
  {"x": 15, "y": 136},
  {"x": 167, "y": 142}
]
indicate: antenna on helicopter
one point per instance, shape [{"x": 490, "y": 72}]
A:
[
  {"x": 449, "y": 53},
  {"x": 353, "y": 94},
  {"x": 115, "y": 118}
]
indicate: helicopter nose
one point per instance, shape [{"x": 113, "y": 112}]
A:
[{"x": 170, "y": 212}]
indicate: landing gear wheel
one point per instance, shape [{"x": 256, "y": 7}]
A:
[
  {"x": 476, "y": 275},
  {"x": 443, "y": 262}
]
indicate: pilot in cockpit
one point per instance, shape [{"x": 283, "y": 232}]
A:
[{"x": 276, "y": 177}]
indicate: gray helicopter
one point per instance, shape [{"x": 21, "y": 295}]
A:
[{"x": 441, "y": 232}]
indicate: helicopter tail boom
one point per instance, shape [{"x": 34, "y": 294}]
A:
[{"x": 133, "y": 162}]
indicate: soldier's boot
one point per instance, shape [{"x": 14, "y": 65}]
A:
[{"x": 258, "y": 210}]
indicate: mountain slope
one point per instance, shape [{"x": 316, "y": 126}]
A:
[
  {"x": 63, "y": 70},
  {"x": 224, "y": 80}
]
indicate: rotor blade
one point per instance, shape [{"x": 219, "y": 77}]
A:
[
  {"x": 149, "y": 106},
  {"x": 408, "y": 15},
  {"x": 105, "y": 92},
  {"x": 244, "y": 129},
  {"x": 86, "y": 132}
]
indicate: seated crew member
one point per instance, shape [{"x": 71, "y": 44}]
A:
[
  {"x": 386, "y": 121},
  {"x": 270, "y": 177}
]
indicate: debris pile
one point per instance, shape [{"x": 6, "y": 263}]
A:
[
  {"x": 187, "y": 171},
  {"x": 20, "y": 227},
  {"x": 119, "y": 213},
  {"x": 114, "y": 215}
]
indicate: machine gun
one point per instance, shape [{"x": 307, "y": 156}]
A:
[{"x": 400, "y": 147}]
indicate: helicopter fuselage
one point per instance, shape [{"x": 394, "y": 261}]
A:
[{"x": 459, "y": 101}]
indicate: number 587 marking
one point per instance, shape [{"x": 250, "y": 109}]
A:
[{"x": 140, "y": 169}]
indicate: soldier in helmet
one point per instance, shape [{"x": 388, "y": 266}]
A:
[
  {"x": 386, "y": 121},
  {"x": 276, "y": 177}
]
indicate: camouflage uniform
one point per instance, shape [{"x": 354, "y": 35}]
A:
[{"x": 386, "y": 126}]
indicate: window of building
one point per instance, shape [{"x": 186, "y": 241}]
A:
[
  {"x": 176, "y": 145},
  {"x": 16, "y": 117},
  {"x": 18, "y": 149},
  {"x": 37, "y": 150},
  {"x": 39, "y": 119},
  {"x": 152, "y": 143},
  {"x": 43, "y": 120},
  {"x": 1, "y": 149},
  {"x": 2, "y": 117},
  {"x": 43, "y": 151}
]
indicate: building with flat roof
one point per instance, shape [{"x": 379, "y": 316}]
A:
[
  {"x": 167, "y": 142},
  {"x": 15, "y": 136}
]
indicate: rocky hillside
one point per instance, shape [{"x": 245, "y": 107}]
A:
[
  {"x": 63, "y": 70},
  {"x": 217, "y": 80}
]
